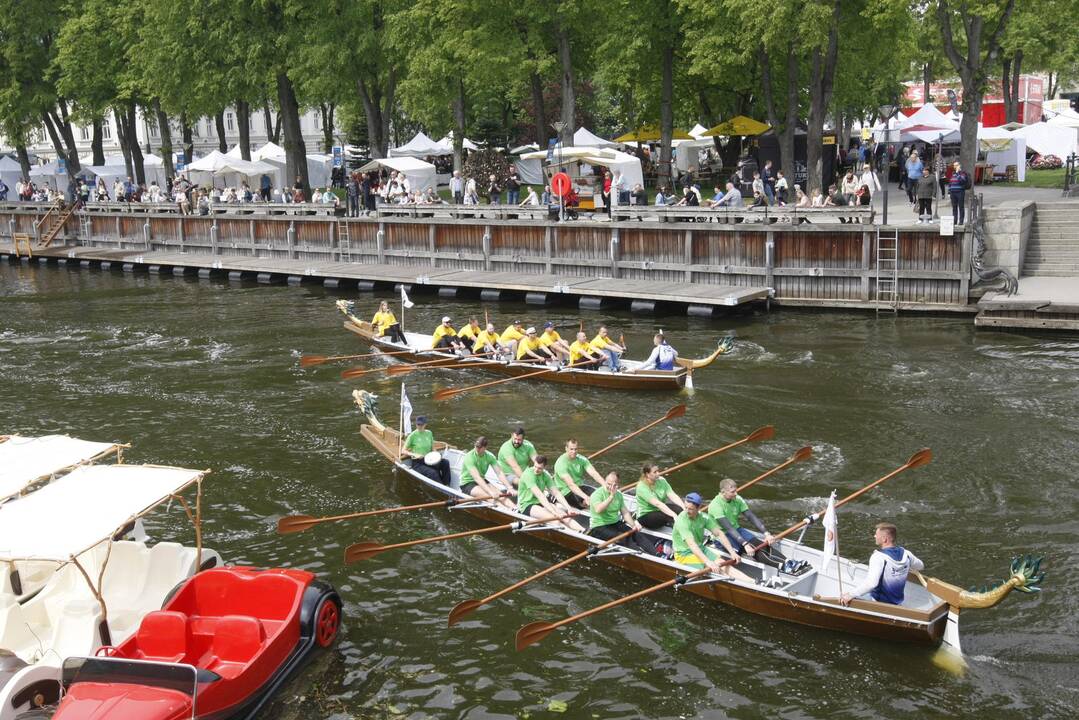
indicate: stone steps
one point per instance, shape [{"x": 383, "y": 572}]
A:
[
  {"x": 1051, "y": 270},
  {"x": 1053, "y": 247}
]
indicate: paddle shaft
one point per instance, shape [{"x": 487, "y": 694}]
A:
[
  {"x": 676, "y": 411},
  {"x": 318, "y": 359},
  {"x": 793, "y": 528},
  {"x": 446, "y": 394},
  {"x": 710, "y": 453},
  {"x": 398, "y": 369},
  {"x": 308, "y": 522}
]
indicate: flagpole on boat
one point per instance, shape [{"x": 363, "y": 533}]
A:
[{"x": 401, "y": 419}]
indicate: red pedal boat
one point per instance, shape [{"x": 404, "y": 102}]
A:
[{"x": 220, "y": 648}]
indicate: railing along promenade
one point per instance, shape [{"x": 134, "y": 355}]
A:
[{"x": 807, "y": 256}]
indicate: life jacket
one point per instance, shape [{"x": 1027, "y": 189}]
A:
[{"x": 665, "y": 360}]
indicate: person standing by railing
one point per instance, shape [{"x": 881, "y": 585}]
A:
[
  {"x": 957, "y": 190},
  {"x": 457, "y": 188}
]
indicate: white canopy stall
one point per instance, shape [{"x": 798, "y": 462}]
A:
[
  {"x": 529, "y": 172},
  {"x": 218, "y": 165},
  {"x": 319, "y": 167},
  {"x": 419, "y": 147},
  {"x": 25, "y": 460},
  {"x": 420, "y": 174},
  {"x": 1048, "y": 139},
  {"x": 1003, "y": 148},
  {"x": 446, "y": 143},
  {"x": 10, "y": 173}
]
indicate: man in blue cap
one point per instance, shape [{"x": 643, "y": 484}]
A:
[
  {"x": 420, "y": 444},
  {"x": 688, "y": 539}
]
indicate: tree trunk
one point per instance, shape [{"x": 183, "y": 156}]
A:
[
  {"x": 130, "y": 130},
  {"x": 272, "y": 131},
  {"x": 188, "y": 138},
  {"x": 243, "y": 118},
  {"x": 326, "y": 110},
  {"x": 790, "y": 124},
  {"x": 1051, "y": 86},
  {"x": 927, "y": 78},
  {"x": 166, "y": 139},
  {"x": 1006, "y": 88},
  {"x": 24, "y": 160},
  {"x": 459, "y": 126},
  {"x": 63, "y": 125},
  {"x": 666, "y": 113},
  {"x": 820, "y": 97},
  {"x": 97, "y": 149},
  {"x": 1013, "y": 111},
  {"x": 768, "y": 89},
  {"x": 219, "y": 124},
  {"x": 539, "y": 114},
  {"x": 295, "y": 150},
  {"x": 121, "y": 138},
  {"x": 378, "y": 106},
  {"x": 569, "y": 99}
]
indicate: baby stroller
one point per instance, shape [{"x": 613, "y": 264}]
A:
[{"x": 572, "y": 201}]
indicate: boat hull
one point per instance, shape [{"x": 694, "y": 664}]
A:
[{"x": 921, "y": 628}]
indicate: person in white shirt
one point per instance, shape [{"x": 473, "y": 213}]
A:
[
  {"x": 329, "y": 198},
  {"x": 471, "y": 197},
  {"x": 662, "y": 357},
  {"x": 530, "y": 199},
  {"x": 817, "y": 200},
  {"x": 229, "y": 196},
  {"x": 457, "y": 188},
  {"x": 661, "y": 197},
  {"x": 618, "y": 185},
  {"x": 888, "y": 569},
  {"x": 869, "y": 179}
]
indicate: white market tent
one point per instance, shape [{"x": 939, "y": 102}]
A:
[
  {"x": 585, "y": 137},
  {"x": 10, "y": 173},
  {"x": 530, "y": 172},
  {"x": 25, "y": 460},
  {"x": 319, "y": 167},
  {"x": 77, "y": 511},
  {"x": 49, "y": 174},
  {"x": 1003, "y": 148},
  {"x": 698, "y": 131},
  {"x": 114, "y": 169},
  {"x": 420, "y": 174},
  {"x": 446, "y": 143},
  {"x": 419, "y": 147},
  {"x": 217, "y": 164},
  {"x": 629, "y": 165},
  {"x": 269, "y": 150},
  {"x": 1065, "y": 118},
  {"x": 928, "y": 115},
  {"x": 1047, "y": 139}
]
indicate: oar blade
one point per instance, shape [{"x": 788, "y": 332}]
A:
[
  {"x": 309, "y": 360},
  {"x": 922, "y": 457},
  {"x": 445, "y": 393},
  {"x": 676, "y": 412},
  {"x": 532, "y": 633},
  {"x": 353, "y": 373},
  {"x": 764, "y": 433},
  {"x": 803, "y": 454},
  {"x": 400, "y": 369},
  {"x": 362, "y": 551},
  {"x": 295, "y": 524},
  {"x": 462, "y": 608}
]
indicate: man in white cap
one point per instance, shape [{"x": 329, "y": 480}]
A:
[
  {"x": 446, "y": 337},
  {"x": 530, "y": 348}
]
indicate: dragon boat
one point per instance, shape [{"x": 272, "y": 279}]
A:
[
  {"x": 631, "y": 379},
  {"x": 929, "y": 614}
]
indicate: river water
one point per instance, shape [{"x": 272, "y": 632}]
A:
[{"x": 205, "y": 374}]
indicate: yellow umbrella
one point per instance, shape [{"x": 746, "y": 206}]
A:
[
  {"x": 651, "y": 133},
  {"x": 739, "y": 125}
]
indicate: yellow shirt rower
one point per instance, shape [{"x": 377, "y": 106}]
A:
[
  {"x": 386, "y": 324},
  {"x": 445, "y": 336},
  {"x": 530, "y": 349},
  {"x": 581, "y": 351},
  {"x": 510, "y": 337},
  {"x": 603, "y": 343},
  {"x": 486, "y": 341},
  {"x": 554, "y": 342}
]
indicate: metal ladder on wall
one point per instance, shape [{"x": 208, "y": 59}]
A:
[
  {"x": 345, "y": 244},
  {"x": 887, "y": 270}
]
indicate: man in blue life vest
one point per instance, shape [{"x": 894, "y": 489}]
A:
[
  {"x": 888, "y": 569},
  {"x": 662, "y": 357}
]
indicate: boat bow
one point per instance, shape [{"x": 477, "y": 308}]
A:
[
  {"x": 1026, "y": 576},
  {"x": 723, "y": 348}
]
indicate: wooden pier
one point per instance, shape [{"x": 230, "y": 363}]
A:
[{"x": 701, "y": 259}]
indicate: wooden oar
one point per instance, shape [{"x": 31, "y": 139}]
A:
[
  {"x": 364, "y": 550},
  {"x": 467, "y": 606},
  {"x": 299, "y": 523},
  {"x": 536, "y": 631},
  {"x": 675, "y": 412},
  {"x": 433, "y": 364},
  {"x": 360, "y": 372},
  {"x": 447, "y": 393},
  {"x": 308, "y": 360}
]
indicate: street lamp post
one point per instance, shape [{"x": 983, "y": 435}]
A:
[{"x": 558, "y": 126}]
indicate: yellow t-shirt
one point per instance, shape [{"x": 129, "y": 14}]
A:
[
  {"x": 440, "y": 332},
  {"x": 527, "y": 343},
  {"x": 510, "y": 334},
  {"x": 484, "y": 339},
  {"x": 599, "y": 342},
  {"x": 549, "y": 337},
  {"x": 468, "y": 332},
  {"x": 578, "y": 349},
  {"x": 383, "y": 320}
]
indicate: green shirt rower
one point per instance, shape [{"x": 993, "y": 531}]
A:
[
  {"x": 516, "y": 454},
  {"x": 569, "y": 472},
  {"x": 536, "y": 487},
  {"x": 688, "y": 537},
  {"x": 474, "y": 469}
]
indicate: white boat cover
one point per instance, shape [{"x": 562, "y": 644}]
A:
[
  {"x": 79, "y": 510},
  {"x": 26, "y": 459}
]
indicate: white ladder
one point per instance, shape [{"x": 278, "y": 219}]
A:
[
  {"x": 887, "y": 270},
  {"x": 345, "y": 249},
  {"x": 86, "y": 228}
]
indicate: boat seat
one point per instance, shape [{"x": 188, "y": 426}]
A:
[
  {"x": 237, "y": 638},
  {"x": 169, "y": 564},
  {"x": 15, "y": 634},
  {"x": 162, "y": 636},
  {"x": 75, "y": 630}
]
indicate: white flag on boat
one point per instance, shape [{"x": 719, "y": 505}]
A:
[
  {"x": 406, "y": 409},
  {"x": 829, "y": 523},
  {"x": 404, "y": 298}
]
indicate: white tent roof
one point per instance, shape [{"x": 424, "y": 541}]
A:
[
  {"x": 48, "y": 169},
  {"x": 79, "y": 510},
  {"x": 1047, "y": 139},
  {"x": 217, "y": 163},
  {"x": 148, "y": 160},
  {"x": 6, "y": 163},
  {"x": 1004, "y": 148},
  {"x": 530, "y": 147},
  {"x": 420, "y": 174},
  {"x": 929, "y": 115},
  {"x": 1065, "y": 118},
  {"x": 447, "y": 143},
  {"x": 26, "y": 459},
  {"x": 584, "y": 136},
  {"x": 418, "y": 147},
  {"x": 613, "y": 159},
  {"x": 269, "y": 150},
  {"x": 698, "y": 131}
]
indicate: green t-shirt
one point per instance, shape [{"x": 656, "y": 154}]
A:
[
  {"x": 420, "y": 442},
  {"x": 684, "y": 527},
  {"x": 529, "y": 486},
  {"x": 613, "y": 512},
  {"x": 574, "y": 468},
  {"x": 474, "y": 460},
  {"x": 522, "y": 455},
  {"x": 720, "y": 508},
  {"x": 652, "y": 498}
]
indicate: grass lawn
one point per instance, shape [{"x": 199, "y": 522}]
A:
[{"x": 1039, "y": 179}]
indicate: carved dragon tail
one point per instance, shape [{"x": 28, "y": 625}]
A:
[
  {"x": 1026, "y": 576},
  {"x": 368, "y": 402}
]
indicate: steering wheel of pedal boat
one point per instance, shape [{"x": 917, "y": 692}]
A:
[
  {"x": 327, "y": 623},
  {"x": 107, "y": 651}
]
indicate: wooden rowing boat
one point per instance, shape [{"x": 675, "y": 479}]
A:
[
  {"x": 631, "y": 379},
  {"x": 928, "y": 616}
]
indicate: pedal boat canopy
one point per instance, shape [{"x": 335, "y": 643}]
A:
[{"x": 27, "y": 460}]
